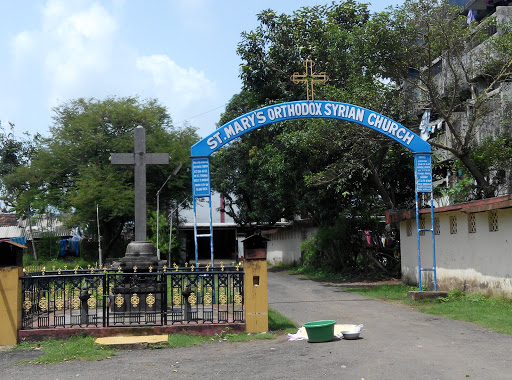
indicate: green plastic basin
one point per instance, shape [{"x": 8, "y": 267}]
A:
[{"x": 320, "y": 331}]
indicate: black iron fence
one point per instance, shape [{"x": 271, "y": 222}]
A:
[{"x": 103, "y": 298}]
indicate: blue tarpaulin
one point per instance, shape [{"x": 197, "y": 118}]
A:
[
  {"x": 20, "y": 240},
  {"x": 70, "y": 246}
]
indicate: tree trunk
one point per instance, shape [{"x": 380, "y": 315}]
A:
[
  {"x": 32, "y": 236},
  {"x": 380, "y": 186},
  {"x": 480, "y": 179}
]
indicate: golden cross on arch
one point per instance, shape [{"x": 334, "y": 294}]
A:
[{"x": 309, "y": 77}]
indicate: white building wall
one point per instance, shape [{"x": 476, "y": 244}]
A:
[
  {"x": 283, "y": 246},
  {"x": 476, "y": 262}
]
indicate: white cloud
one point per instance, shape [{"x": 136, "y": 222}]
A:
[
  {"x": 78, "y": 49},
  {"x": 184, "y": 85}
]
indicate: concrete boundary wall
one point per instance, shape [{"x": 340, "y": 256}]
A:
[{"x": 473, "y": 248}]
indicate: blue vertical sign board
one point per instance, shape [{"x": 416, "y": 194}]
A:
[
  {"x": 201, "y": 177},
  {"x": 423, "y": 173}
]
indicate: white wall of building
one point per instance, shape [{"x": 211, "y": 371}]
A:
[
  {"x": 283, "y": 246},
  {"x": 479, "y": 261}
]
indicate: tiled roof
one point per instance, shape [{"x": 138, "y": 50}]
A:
[{"x": 7, "y": 220}]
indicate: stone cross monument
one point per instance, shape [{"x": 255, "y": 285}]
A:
[
  {"x": 140, "y": 159},
  {"x": 140, "y": 252}
]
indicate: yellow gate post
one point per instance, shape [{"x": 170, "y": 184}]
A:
[
  {"x": 11, "y": 269},
  {"x": 255, "y": 284}
]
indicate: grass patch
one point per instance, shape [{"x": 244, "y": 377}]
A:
[
  {"x": 489, "y": 312},
  {"x": 385, "y": 292},
  {"x": 74, "y": 348},
  {"x": 278, "y": 322},
  {"x": 58, "y": 262},
  {"x": 187, "y": 340}
]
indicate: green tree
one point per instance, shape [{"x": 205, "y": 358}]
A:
[
  {"x": 71, "y": 172},
  {"x": 314, "y": 168}
]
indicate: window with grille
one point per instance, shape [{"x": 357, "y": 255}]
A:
[
  {"x": 493, "y": 220},
  {"x": 422, "y": 225},
  {"x": 471, "y": 223},
  {"x": 409, "y": 227},
  {"x": 453, "y": 224},
  {"x": 437, "y": 226}
]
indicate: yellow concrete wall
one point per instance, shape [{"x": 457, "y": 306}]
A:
[
  {"x": 256, "y": 296},
  {"x": 10, "y": 304}
]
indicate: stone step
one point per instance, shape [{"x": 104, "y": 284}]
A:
[{"x": 131, "y": 342}]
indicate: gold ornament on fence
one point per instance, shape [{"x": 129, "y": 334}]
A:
[
  {"x": 43, "y": 271},
  {"x": 192, "y": 268},
  {"x": 59, "y": 303},
  {"x": 223, "y": 298},
  {"x": 176, "y": 300},
  {"x": 208, "y": 299},
  {"x": 237, "y": 267},
  {"x": 150, "y": 269},
  {"x": 65, "y": 267},
  {"x": 76, "y": 269},
  {"x": 164, "y": 268},
  {"x": 150, "y": 300},
  {"x": 134, "y": 300},
  {"x": 135, "y": 269},
  {"x": 192, "y": 299},
  {"x": 43, "y": 304},
  {"x": 53, "y": 267},
  {"x": 59, "y": 271},
  {"x": 119, "y": 269},
  {"x": 119, "y": 300},
  {"x": 27, "y": 305},
  {"x": 75, "y": 303},
  {"x": 222, "y": 266},
  {"x": 238, "y": 298},
  {"x": 91, "y": 302},
  {"x": 208, "y": 268}
]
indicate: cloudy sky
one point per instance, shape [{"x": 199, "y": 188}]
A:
[{"x": 182, "y": 52}]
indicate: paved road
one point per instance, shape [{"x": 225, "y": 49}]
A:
[{"x": 397, "y": 343}]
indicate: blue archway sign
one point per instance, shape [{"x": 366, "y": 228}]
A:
[{"x": 305, "y": 109}]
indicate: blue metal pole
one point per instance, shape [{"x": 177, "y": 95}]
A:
[
  {"x": 433, "y": 240},
  {"x": 195, "y": 232},
  {"x": 418, "y": 239},
  {"x": 211, "y": 231}
]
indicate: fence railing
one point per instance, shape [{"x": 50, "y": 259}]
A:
[{"x": 104, "y": 298}]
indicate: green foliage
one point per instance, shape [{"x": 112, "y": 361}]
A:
[
  {"x": 71, "y": 172},
  {"x": 74, "y": 348},
  {"x": 314, "y": 168},
  {"x": 48, "y": 246},
  {"x": 339, "y": 248}
]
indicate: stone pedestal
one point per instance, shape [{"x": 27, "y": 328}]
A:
[{"x": 141, "y": 254}]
